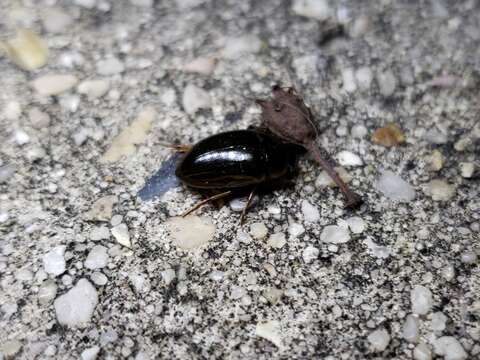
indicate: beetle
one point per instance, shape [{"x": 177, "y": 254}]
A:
[{"x": 240, "y": 160}]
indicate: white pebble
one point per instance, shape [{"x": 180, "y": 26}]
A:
[
  {"x": 12, "y": 110},
  {"x": 38, "y": 119},
  {"x": 98, "y": 278},
  {"x": 295, "y": 229},
  {"x": 469, "y": 257},
  {"x": 394, "y": 187},
  {"x": 90, "y": 353},
  {"x": 191, "y": 232},
  {"x": 75, "y": 308},
  {"x": 421, "y": 299},
  {"x": 97, "y": 258},
  {"x": 467, "y": 169},
  {"x": 364, "y": 77},
  {"x": 378, "y": 251},
  {"x": 47, "y": 292},
  {"x": 277, "y": 240},
  {"x": 422, "y": 352},
  {"x": 315, "y": 9},
  {"x": 195, "y": 98},
  {"x": 334, "y": 234},
  {"x": 271, "y": 331},
  {"x": 93, "y": 88},
  {"x": 356, "y": 224},
  {"x": 450, "y": 348},
  {"x": 387, "y": 83},
  {"x": 54, "y": 84},
  {"x": 347, "y": 158},
  {"x": 216, "y": 275},
  {"x": 310, "y": 253},
  {"x": 237, "y": 46},
  {"x": 439, "y": 321},
  {"x": 258, "y": 230},
  {"x": 201, "y": 65},
  {"x": 110, "y": 66},
  {"x": 9, "y": 309},
  {"x": 21, "y": 137},
  {"x": 379, "y": 340},
  {"x": 54, "y": 261},
  {"x": 323, "y": 180},
  {"x": 310, "y": 212},
  {"x": 349, "y": 84},
  {"x": 10, "y": 348},
  {"x": 410, "y": 328},
  {"x": 439, "y": 190},
  {"x": 121, "y": 234},
  {"x": 99, "y": 233},
  {"x": 168, "y": 276},
  {"x": 359, "y": 131},
  {"x": 55, "y": 20}
]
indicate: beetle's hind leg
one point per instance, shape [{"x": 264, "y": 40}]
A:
[
  {"x": 247, "y": 205},
  {"x": 207, "y": 200},
  {"x": 178, "y": 147}
]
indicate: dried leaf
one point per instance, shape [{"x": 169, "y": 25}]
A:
[{"x": 389, "y": 135}]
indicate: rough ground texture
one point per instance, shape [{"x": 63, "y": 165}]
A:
[{"x": 399, "y": 280}]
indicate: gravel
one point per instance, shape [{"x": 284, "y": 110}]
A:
[{"x": 94, "y": 258}]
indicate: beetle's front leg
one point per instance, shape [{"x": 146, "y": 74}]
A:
[{"x": 178, "y": 147}]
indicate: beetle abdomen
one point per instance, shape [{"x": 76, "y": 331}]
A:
[{"x": 227, "y": 160}]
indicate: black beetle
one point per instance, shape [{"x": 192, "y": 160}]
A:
[
  {"x": 248, "y": 159},
  {"x": 238, "y": 161}
]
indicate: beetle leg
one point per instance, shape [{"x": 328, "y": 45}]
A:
[
  {"x": 203, "y": 202},
  {"x": 178, "y": 147},
  {"x": 247, "y": 205}
]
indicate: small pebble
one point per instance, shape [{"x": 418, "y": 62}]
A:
[
  {"x": 439, "y": 321},
  {"x": 378, "y": 251},
  {"x": 216, "y": 275},
  {"x": 54, "y": 84},
  {"x": 10, "y": 348},
  {"x": 323, "y": 180},
  {"x": 258, "y": 230},
  {"x": 98, "y": 278},
  {"x": 379, "y": 340},
  {"x": 277, "y": 240},
  {"x": 102, "y": 209},
  {"x": 191, "y": 232},
  {"x": 410, "y": 328},
  {"x": 359, "y": 131},
  {"x": 435, "y": 160},
  {"x": 235, "y": 47},
  {"x": 315, "y": 9},
  {"x": 450, "y": 348},
  {"x": 439, "y": 190},
  {"x": 310, "y": 253},
  {"x": 271, "y": 331},
  {"x": 195, "y": 98},
  {"x": 21, "y": 137},
  {"x": 201, "y": 65},
  {"x": 110, "y": 66},
  {"x": 295, "y": 229},
  {"x": 121, "y": 234},
  {"x": 97, "y": 258},
  {"x": 93, "y": 88},
  {"x": 347, "y": 158},
  {"x": 47, "y": 292},
  {"x": 54, "y": 261},
  {"x": 12, "y": 110},
  {"x": 422, "y": 352},
  {"x": 349, "y": 84},
  {"x": 463, "y": 144},
  {"x": 99, "y": 233},
  {"x": 387, "y": 83},
  {"x": 469, "y": 257},
  {"x": 435, "y": 136},
  {"x": 421, "y": 299},
  {"x": 55, "y": 20},
  {"x": 75, "y": 307},
  {"x": 335, "y": 234},
  {"x": 310, "y": 212},
  {"x": 394, "y": 187},
  {"x": 356, "y": 224},
  {"x": 27, "y": 50},
  {"x": 90, "y": 353},
  {"x": 168, "y": 276},
  {"x": 467, "y": 169},
  {"x": 364, "y": 77}
]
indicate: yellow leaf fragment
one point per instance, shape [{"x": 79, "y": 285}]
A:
[
  {"x": 27, "y": 50},
  {"x": 134, "y": 134}
]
